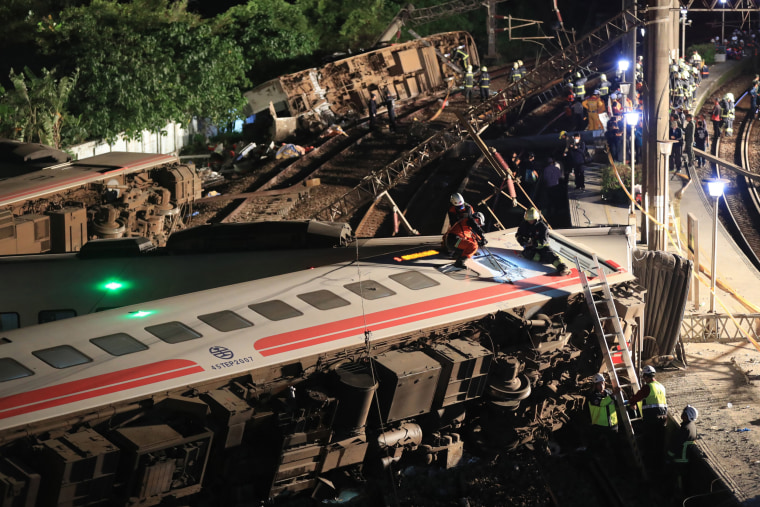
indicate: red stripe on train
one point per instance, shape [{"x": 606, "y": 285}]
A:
[
  {"x": 78, "y": 390},
  {"x": 284, "y": 342}
]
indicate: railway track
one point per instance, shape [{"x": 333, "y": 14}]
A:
[{"x": 740, "y": 211}]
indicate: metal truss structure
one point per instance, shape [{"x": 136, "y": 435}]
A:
[
  {"x": 713, "y": 327},
  {"x": 717, "y": 6},
  {"x": 544, "y": 77}
]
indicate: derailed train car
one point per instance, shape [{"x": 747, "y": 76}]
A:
[
  {"x": 299, "y": 383},
  {"x": 339, "y": 91},
  {"x": 49, "y": 203}
]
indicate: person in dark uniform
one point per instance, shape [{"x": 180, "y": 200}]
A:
[
  {"x": 682, "y": 450},
  {"x": 701, "y": 141},
  {"x": 485, "y": 84},
  {"x": 533, "y": 236},
  {"x": 459, "y": 209},
  {"x": 469, "y": 82},
  {"x": 464, "y": 237},
  {"x": 372, "y": 110},
  {"x": 576, "y": 158},
  {"x": 390, "y": 101}
]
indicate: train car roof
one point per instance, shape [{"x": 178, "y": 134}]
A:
[{"x": 57, "y": 178}]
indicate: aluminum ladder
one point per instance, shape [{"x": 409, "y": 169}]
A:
[{"x": 609, "y": 331}]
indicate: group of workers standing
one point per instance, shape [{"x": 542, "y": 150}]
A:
[{"x": 650, "y": 404}]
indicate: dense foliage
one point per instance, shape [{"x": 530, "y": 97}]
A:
[{"x": 123, "y": 66}]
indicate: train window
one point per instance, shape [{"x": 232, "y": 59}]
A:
[
  {"x": 51, "y": 315},
  {"x": 11, "y": 369},
  {"x": 62, "y": 356},
  {"x": 225, "y": 320},
  {"x": 369, "y": 289},
  {"x": 173, "y": 332},
  {"x": 275, "y": 310},
  {"x": 119, "y": 344},
  {"x": 8, "y": 321},
  {"x": 414, "y": 280},
  {"x": 323, "y": 300}
]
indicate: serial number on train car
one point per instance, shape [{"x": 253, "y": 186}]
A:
[{"x": 227, "y": 364}]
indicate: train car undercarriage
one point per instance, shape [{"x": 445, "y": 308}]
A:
[{"x": 323, "y": 423}]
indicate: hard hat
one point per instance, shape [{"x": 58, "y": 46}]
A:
[
  {"x": 469, "y": 68},
  {"x": 531, "y": 214},
  {"x": 649, "y": 370},
  {"x": 598, "y": 378},
  {"x": 515, "y": 65},
  {"x": 479, "y": 217},
  {"x": 730, "y": 96},
  {"x": 689, "y": 413},
  {"x": 597, "y": 92},
  {"x": 457, "y": 199},
  {"x": 484, "y": 68},
  {"x": 520, "y": 63},
  {"x": 578, "y": 75},
  {"x": 562, "y": 134},
  {"x": 604, "y": 77}
]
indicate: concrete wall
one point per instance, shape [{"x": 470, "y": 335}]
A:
[{"x": 173, "y": 137}]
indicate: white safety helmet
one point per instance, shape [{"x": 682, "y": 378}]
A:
[
  {"x": 730, "y": 96},
  {"x": 598, "y": 378},
  {"x": 531, "y": 214},
  {"x": 520, "y": 63},
  {"x": 604, "y": 77},
  {"x": 457, "y": 199},
  {"x": 515, "y": 65},
  {"x": 578, "y": 75},
  {"x": 469, "y": 68},
  {"x": 480, "y": 218},
  {"x": 649, "y": 371},
  {"x": 484, "y": 68},
  {"x": 689, "y": 413},
  {"x": 597, "y": 92}
]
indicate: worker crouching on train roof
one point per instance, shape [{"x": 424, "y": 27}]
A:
[
  {"x": 459, "y": 209},
  {"x": 464, "y": 237},
  {"x": 533, "y": 236}
]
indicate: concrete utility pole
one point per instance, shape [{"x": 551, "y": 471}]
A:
[
  {"x": 658, "y": 42},
  {"x": 491, "y": 26}
]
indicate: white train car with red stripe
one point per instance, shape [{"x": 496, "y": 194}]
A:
[
  {"x": 49, "y": 203},
  {"x": 294, "y": 383}
]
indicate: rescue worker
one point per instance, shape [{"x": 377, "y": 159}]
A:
[
  {"x": 576, "y": 157},
  {"x": 529, "y": 175},
  {"x": 614, "y": 136},
  {"x": 696, "y": 59},
  {"x": 705, "y": 71},
  {"x": 701, "y": 141},
  {"x": 517, "y": 75},
  {"x": 682, "y": 449},
  {"x": 604, "y": 87},
  {"x": 579, "y": 86},
  {"x": 654, "y": 412},
  {"x": 594, "y": 105},
  {"x": 717, "y": 118},
  {"x": 576, "y": 112},
  {"x": 464, "y": 237},
  {"x": 390, "y": 100},
  {"x": 728, "y": 113},
  {"x": 604, "y": 417},
  {"x": 372, "y": 110},
  {"x": 676, "y": 134},
  {"x": 461, "y": 56},
  {"x": 533, "y": 236},
  {"x": 469, "y": 82},
  {"x": 688, "y": 139},
  {"x": 459, "y": 209},
  {"x": 484, "y": 83}
]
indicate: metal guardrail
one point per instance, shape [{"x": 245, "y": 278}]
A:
[{"x": 720, "y": 327}]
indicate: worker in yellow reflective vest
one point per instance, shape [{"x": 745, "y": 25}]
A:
[
  {"x": 654, "y": 411},
  {"x": 604, "y": 417}
]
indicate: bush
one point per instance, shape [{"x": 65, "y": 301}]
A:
[
  {"x": 611, "y": 189},
  {"x": 706, "y": 51}
]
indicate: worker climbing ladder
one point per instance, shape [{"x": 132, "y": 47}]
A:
[{"x": 612, "y": 340}]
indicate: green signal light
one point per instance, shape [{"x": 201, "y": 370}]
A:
[
  {"x": 138, "y": 314},
  {"x": 114, "y": 285}
]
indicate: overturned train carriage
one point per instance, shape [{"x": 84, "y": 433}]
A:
[
  {"x": 297, "y": 384},
  {"x": 339, "y": 91},
  {"x": 49, "y": 203}
]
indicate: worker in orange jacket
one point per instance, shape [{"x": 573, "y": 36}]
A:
[
  {"x": 464, "y": 237},
  {"x": 594, "y": 105}
]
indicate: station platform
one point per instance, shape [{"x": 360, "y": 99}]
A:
[{"x": 589, "y": 209}]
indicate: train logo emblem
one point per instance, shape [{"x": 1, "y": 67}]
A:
[{"x": 221, "y": 352}]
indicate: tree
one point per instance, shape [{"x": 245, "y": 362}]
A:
[
  {"x": 35, "y": 109},
  {"x": 145, "y": 63},
  {"x": 271, "y": 34}
]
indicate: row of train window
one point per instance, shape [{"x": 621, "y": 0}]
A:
[
  {"x": 12, "y": 320},
  {"x": 119, "y": 344}
]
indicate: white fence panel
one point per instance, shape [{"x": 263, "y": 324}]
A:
[{"x": 152, "y": 142}]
